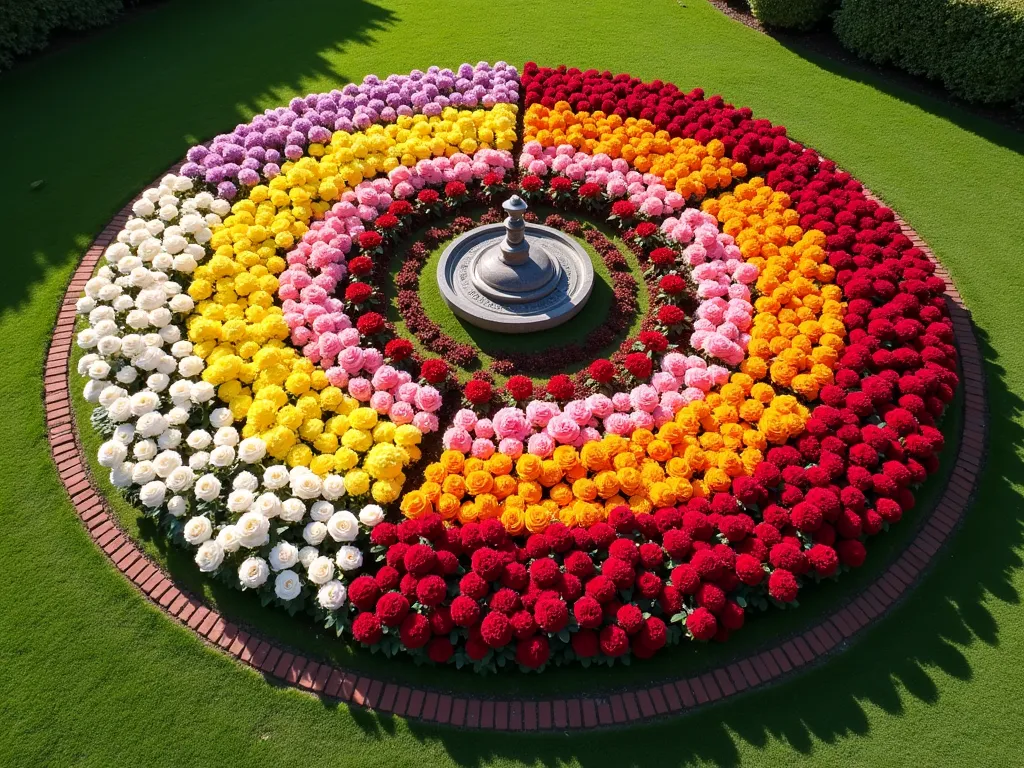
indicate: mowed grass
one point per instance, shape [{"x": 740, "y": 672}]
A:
[{"x": 92, "y": 675}]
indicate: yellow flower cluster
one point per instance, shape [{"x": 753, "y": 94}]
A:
[
  {"x": 697, "y": 454},
  {"x": 798, "y": 331},
  {"x": 685, "y": 165}
]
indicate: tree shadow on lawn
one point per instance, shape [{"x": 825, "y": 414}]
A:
[
  {"x": 922, "y": 641},
  {"x": 181, "y": 73}
]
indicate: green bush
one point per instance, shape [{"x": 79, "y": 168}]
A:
[
  {"x": 25, "y": 25},
  {"x": 975, "y": 47},
  {"x": 790, "y": 14}
]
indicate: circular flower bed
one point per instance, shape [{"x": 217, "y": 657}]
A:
[{"x": 776, "y": 411}]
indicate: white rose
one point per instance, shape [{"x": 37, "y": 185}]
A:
[
  {"x": 185, "y": 262},
  {"x": 177, "y": 505},
  {"x": 149, "y": 299},
  {"x": 181, "y": 303},
  {"x": 144, "y": 450},
  {"x": 239, "y": 500},
  {"x": 246, "y": 480},
  {"x": 343, "y": 526},
  {"x": 181, "y": 348},
  {"x": 180, "y": 392},
  {"x": 226, "y": 436},
  {"x": 203, "y": 391},
  {"x": 190, "y": 366},
  {"x": 207, "y": 488},
  {"x": 108, "y": 345},
  {"x": 332, "y": 595},
  {"x": 222, "y": 456},
  {"x": 221, "y": 417},
  {"x": 174, "y": 243},
  {"x": 334, "y": 487},
  {"x": 228, "y": 538},
  {"x": 251, "y": 450},
  {"x": 120, "y": 409},
  {"x": 371, "y": 515},
  {"x": 292, "y": 510},
  {"x": 268, "y": 505},
  {"x": 121, "y": 303},
  {"x": 143, "y": 207},
  {"x": 253, "y": 572},
  {"x": 314, "y": 533},
  {"x": 307, "y": 555},
  {"x": 163, "y": 262},
  {"x": 198, "y": 439},
  {"x": 111, "y": 395},
  {"x": 143, "y": 473},
  {"x": 321, "y": 511},
  {"x": 166, "y": 462},
  {"x": 197, "y": 530},
  {"x": 85, "y": 361},
  {"x": 253, "y": 529},
  {"x": 111, "y": 293},
  {"x": 320, "y": 570},
  {"x": 287, "y": 585},
  {"x": 306, "y": 486},
  {"x": 158, "y": 382},
  {"x": 121, "y": 476},
  {"x": 87, "y": 338},
  {"x": 137, "y": 319},
  {"x": 151, "y": 424},
  {"x": 85, "y": 305},
  {"x": 126, "y": 375},
  {"x": 124, "y": 433},
  {"x": 132, "y": 345},
  {"x": 180, "y": 479},
  {"x": 100, "y": 369},
  {"x": 170, "y": 334},
  {"x": 209, "y": 556},
  {"x": 283, "y": 555},
  {"x": 169, "y": 440},
  {"x": 220, "y": 207},
  {"x": 112, "y": 453},
  {"x": 275, "y": 477},
  {"x": 349, "y": 558},
  {"x": 91, "y": 391},
  {"x": 199, "y": 460}
]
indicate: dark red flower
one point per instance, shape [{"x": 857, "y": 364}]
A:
[
  {"x": 360, "y": 265},
  {"x": 782, "y": 585},
  {"x": 551, "y": 615},
  {"x": 561, "y": 387},
  {"x": 415, "y": 631},
  {"x": 496, "y": 630},
  {"x": 623, "y": 209},
  {"x": 530, "y": 183},
  {"x": 585, "y": 643},
  {"x": 428, "y": 196},
  {"x": 613, "y": 641},
  {"x": 386, "y": 222},
  {"x": 398, "y": 349},
  {"x": 702, "y": 624},
  {"x": 478, "y": 392},
  {"x": 434, "y": 371},
  {"x": 670, "y": 314},
  {"x": 440, "y": 650},
  {"x": 590, "y": 190},
  {"x": 654, "y": 341},
  {"x": 663, "y": 257},
  {"x": 366, "y": 629},
  {"x": 601, "y": 371},
  {"x": 533, "y": 652},
  {"x": 672, "y": 284},
  {"x": 392, "y": 608},
  {"x": 363, "y": 593},
  {"x": 370, "y": 323},
  {"x": 520, "y": 387},
  {"x": 454, "y": 189},
  {"x": 639, "y": 365},
  {"x": 370, "y": 240},
  {"x": 561, "y": 184},
  {"x": 465, "y": 611}
]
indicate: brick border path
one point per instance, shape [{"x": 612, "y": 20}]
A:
[{"x": 761, "y": 669}]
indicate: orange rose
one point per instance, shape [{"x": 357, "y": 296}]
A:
[
  {"x": 415, "y": 505},
  {"x": 435, "y": 473},
  {"x": 453, "y": 462},
  {"x": 528, "y": 466},
  {"x": 448, "y": 506}
]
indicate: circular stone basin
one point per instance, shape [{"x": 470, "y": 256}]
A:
[{"x": 548, "y": 286}]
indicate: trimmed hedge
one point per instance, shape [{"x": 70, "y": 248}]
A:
[
  {"x": 25, "y": 25},
  {"x": 975, "y": 47},
  {"x": 791, "y": 14}
]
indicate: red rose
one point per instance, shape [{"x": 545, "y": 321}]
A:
[
  {"x": 431, "y": 590},
  {"x": 363, "y": 593},
  {"x": 590, "y": 190},
  {"x": 639, "y": 365},
  {"x": 623, "y": 209},
  {"x": 551, "y": 615},
  {"x": 369, "y": 240},
  {"x": 454, "y": 189},
  {"x": 672, "y": 284},
  {"x": 530, "y": 183},
  {"x": 440, "y": 650},
  {"x": 585, "y": 643},
  {"x": 496, "y": 630},
  {"x": 671, "y": 315},
  {"x": 645, "y": 229},
  {"x": 465, "y": 611},
  {"x": 398, "y": 349},
  {"x": 419, "y": 560},
  {"x": 492, "y": 178},
  {"x": 782, "y": 585},
  {"x": 749, "y": 570},
  {"x": 601, "y": 371},
  {"x": 520, "y": 387},
  {"x": 533, "y": 652},
  {"x": 415, "y": 631},
  {"x": 560, "y": 184},
  {"x": 654, "y": 341},
  {"x": 601, "y": 588},
  {"x": 360, "y": 265},
  {"x": 386, "y": 222},
  {"x": 434, "y": 371},
  {"x": 473, "y": 585},
  {"x": 702, "y": 624},
  {"x": 428, "y": 196},
  {"x": 370, "y": 323},
  {"x": 392, "y": 608},
  {"x": 487, "y": 564},
  {"x": 561, "y": 387},
  {"x": 630, "y": 618},
  {"x": 663, "y": 257},
  {"x": 587, "y": 612},
  {"x": 614, "y": 641},
  {"x": 400, "y": 208},
  {"x": 366, "y": 629},
  {"x": 357, "y": 293},
  {"x": 478, "y": 392}
]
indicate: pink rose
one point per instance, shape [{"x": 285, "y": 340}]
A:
[
  {"x": 672, "y": 401},
  {"x": 428, "y": 399},
  {"x": 540, "y": 412},
  {"x": 372, "y": 359},
  {"x": 589, "y": 435},
  {"x": 698, "y": 378},
  {"x": 511, "y": 447},
  {"x": 541, "y": 444},
  {"x": 407, "y": 392},
  {"x": 385, "y": 377},
  {"x": 691, "y": 394},
  {"x": 600, "y": 405},
  {"x": 511, "y": 422},
  {"x": 338, "y": 377},
  {"x": 564, "y": 429},
  {"x": 719, "y": 375},
  {"x": 349, "y": 337},
  {"x": 674, "y": 363},
  {"x": 661, "y": 416},
  {"x": 351, "y": 359},
  {"x": 664, "y": 382},
  {"x": 381, "y": 402},
  {"x": 622, "y": 402},
  {"x": 457, "y": 439},
  {"x": 401, "y": 413},
  {"x": 482, "y": 448},
  {"x": 642, "y": 420},
  {"x": 425, "y": 422},
  {"x": 645, "y": 398},
  {"x": 360, "y": 389},
  {"x": 464, "y": 418},
  {"x": 484, "y": 428},
  {"x": 578, "y": 411},
  {"x": 618, "y": 424}
]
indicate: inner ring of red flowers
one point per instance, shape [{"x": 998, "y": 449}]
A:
[{"x": 630, "y": 586}]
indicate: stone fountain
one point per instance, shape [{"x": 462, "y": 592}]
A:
[{"x": 515, "y": 277}]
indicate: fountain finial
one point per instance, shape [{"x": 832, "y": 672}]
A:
[{"x": 515, "y": 249}]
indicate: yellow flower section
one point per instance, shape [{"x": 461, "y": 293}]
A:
[
  {"x": 239, "y": 329},
  {"x": 685, "y": 165},
  {"x": 697, "y": 454},
  {"x": 798, "y": 331}
]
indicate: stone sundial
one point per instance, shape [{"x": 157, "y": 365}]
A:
[{"x": 515, "y": 277}]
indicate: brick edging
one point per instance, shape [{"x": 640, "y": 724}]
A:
[{"x": 585, "y": 711}]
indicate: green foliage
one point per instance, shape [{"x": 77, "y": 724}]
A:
[
  {"x": 791, "y": 14},
  {"x": 26, "y": 25},
  {"x": 974, "y": 47}
]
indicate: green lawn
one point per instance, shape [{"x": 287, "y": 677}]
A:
[{"x": 91, "y": 675}]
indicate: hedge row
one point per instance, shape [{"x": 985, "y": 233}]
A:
[
  {"x": 975, "y": 47},
  {"x": 791, "y": 14},
  {"x": 26, "y": 25}
]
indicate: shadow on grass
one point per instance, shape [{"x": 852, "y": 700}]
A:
[{"x": 168, "y": 72}]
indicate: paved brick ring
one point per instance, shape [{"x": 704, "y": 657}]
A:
[{"x": 672, "y": 697}]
